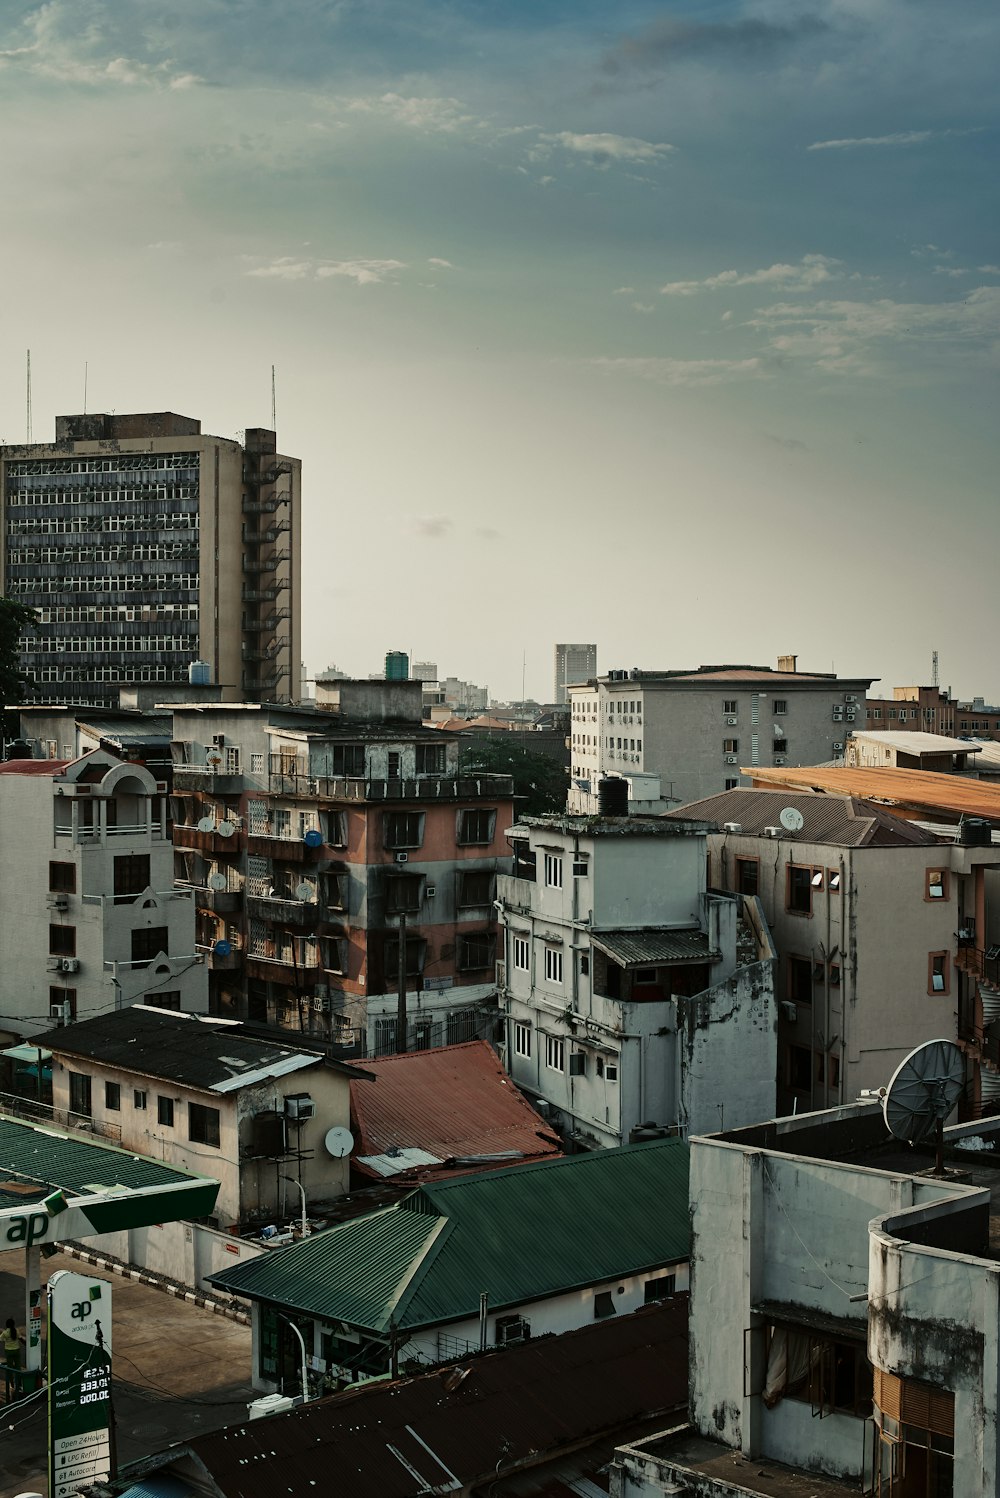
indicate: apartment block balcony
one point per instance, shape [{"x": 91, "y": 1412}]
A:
[
  {"x": 424, "y": 788},
  {"x": 515, "y": 893},
  {"x": 203, "y": 842},
  {"x": 266, "y": 563},
  {"x": 203, "y": 778},
  {"x": 221, "y": 962},
  {"x": 220, "y": 901},
  {"x": 284, "y": 910}
]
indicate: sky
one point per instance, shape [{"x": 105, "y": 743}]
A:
[{"x": 674, "y": 327}]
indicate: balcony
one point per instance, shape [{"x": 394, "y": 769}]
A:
[
  {"x": 231, "y": 963},
  {"x": 221, "y": 901},
  {"x": 424, "y": 788},
  {"x": 285, "y": 910},
  {"x": 978, "y": 962},
  {"x": 88, "y": 836},
  {"x": 203, "y": 842},
  {"x": 201, "y": 778},
  {"x": 515, "y": 893}
]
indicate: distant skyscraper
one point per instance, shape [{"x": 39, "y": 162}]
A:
[
  {"x": 424, "y": 671},
  {"x": 573, "y": 663},
  {"x": 397, "y": 665},
  {"x": 146, "y": 546}
]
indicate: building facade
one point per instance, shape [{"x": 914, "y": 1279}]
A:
[
  {"x": 695, "y": 730},
  {"x": 90, "y": 918},
  {"x": 573, "y": 663},
  {"x": 146, "y": 546},
  {"x": 631, "y": 995}
]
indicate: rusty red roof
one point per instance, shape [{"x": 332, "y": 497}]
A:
[
  {"x": 457, "y": 1426},
  {"x": 33, "y": 766},
  {"x": 451, "y": 1101}
]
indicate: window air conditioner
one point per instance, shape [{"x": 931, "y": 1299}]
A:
[
  {"x": 57, "y": 902},
  {"x": 402, "y": 857},
  {"x": 430, "y": 891},
  {"x": 300, "y": 1106},
  {"x": 60, "y": 1013},
  {"x": 512, "y": 1329}
]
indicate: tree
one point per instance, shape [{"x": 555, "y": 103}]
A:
[
  {"x": 15, "y": 618},
  {"x": 540, "y": 784}
]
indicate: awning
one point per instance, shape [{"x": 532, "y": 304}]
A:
[
  {"x": 28, "y": 1053},
  {"x": 655, "y": 946}
]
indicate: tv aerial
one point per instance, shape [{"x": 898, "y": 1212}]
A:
[{"x": 924, "y": 1089}]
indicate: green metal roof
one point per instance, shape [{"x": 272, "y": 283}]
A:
[{"x": 520, "y": 1234}]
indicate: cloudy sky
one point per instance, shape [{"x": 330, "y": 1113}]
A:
[{"x": 669, "y": 326}]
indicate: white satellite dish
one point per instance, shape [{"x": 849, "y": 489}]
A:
[
  {"x": 924, "y": 1089},
  {"x": 226, "y": 829},
  {"x": 207, "y": 824},
  {"x": 213, "y": 759},
  {"x": 338, "y": 1143},
  {"x": 217, "y": 881},
  {"x": 303, "y": 891},
  {"x": 791, "y": 819}
]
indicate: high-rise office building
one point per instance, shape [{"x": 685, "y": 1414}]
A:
[
  {"x": 573, "y": 663},
  {"x": 146, "y": 547}
]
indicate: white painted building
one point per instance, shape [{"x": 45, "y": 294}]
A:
[
  {"x": 696, "y": 730},
  {"x": 90, "y": 919},
  {"x": 631, "y": 995}
]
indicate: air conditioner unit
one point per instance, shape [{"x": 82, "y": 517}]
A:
[
  {"x": 838, "y": 748},
  {"x": 851, "y": 717},
  {"x": 53, "y": 964},
  {"x": 402, "y": 857},
  {"x": 60, "y": 1012},
  {"x": 779, "y": 759},
  {"x": 850, "y": 697},
  {"x": 57, "y": 902},
  {"x": 300, "y": 1106},
  {"x": 512, "y": 1329},
  {"x": 732, "y": 722},
  {"x": 732, "y": 826},
  {"x": 838, "y": 715},
  {"x": 772, "y": 831},
  {"x": 730, "y": 759},
  {"x": 69, "y": 964},
  {"x": 430, "y": 891}
]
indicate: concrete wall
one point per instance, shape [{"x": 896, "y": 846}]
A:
[
  {"x": 186, "y": 1252},
  {"x": 728, "y": 1051}
]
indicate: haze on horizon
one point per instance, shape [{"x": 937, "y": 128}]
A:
[{"x": 670, "y": 327}]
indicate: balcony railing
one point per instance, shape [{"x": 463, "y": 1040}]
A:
[
  {"x": 91, "y": 835},
  {"x": 423, "y": 788},
  {"x": 13, "y": 1105},
  {"x": 978, "y": 962}
]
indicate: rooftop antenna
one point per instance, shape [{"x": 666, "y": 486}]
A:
[
  {"x": 924, "y": 1089},
  {"x": 84, "y": 387},
  {"x": 29, "y": 395},
  {"x": 274, "y": 418},
  {"x": 935, "y": 680},
  {"x": 524, "y": 657}
]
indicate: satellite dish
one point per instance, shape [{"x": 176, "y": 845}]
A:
[
  {"x": 207, "y": 824},
  {"x": 226, "y": 829},
  {"x": 313, "y": 838},
  {"x": 791, "y": 819},
  {"x": 924, "y": 1089},
  {"x": 213, "y": 759},
  {"x": 338, "y": 1143},
  {"x": 303, "y": 891},
  {"x": 223, "y": 948},
  {"x": 217, "y": 881}
]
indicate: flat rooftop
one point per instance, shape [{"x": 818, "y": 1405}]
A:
[
  {"x": 690, "y": 1455},
  {"x": 598, "y": 826}
]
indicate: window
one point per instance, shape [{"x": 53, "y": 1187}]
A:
[
  {"x": 148, "y": 943},
  {"x": 522, "y": 1040},
  {"x": 403, "y": 893},
  {"x": 585, "y": 964},
  {"x": 256, "y": 764},
  {"x": 475, "y": 887},
  {"x": 747, "y": 875},
  {"x": 348, "y": 759},
  {"x": 476, "y": 827},
  {"x": 62, "y": 878},
  {"x": 521, "y": 954},
  {"x": 232, "y": 759},
  {"x": 731, "y": 783},
  {"x": 604, "y": 1305},
  {"x": 165, "y": 1112},
  {"x": 936, "y": 886},
  {"x": 937, "y": 972},
  {"x": 729, "y": 705},
  {"x": 731, "y": 746},
  {"x": 553, "y": 965},
  {"x": 555, "y": 1053},
  {"x": 431, "y": 759},
  {"x": 62, "y": 941},
  {"x": 581, "y": 867},
  {"x": 799, "y": 1068},
  {"x": 553, "y": 871},
  {"x": 385, "y": 1037},
  {"x": 800, "y": 980},
  {"x": 830, "y": 1373},
  {"x": 64, "y": 996},
  {"x": 164, "y": 999},
  {"x": 816, "y": 882},
  {"x": 139, "y": 1100},
  {"x": 643, "y": 975},
  {"x": 476, "y": 950},
  {"x": 659, "y": 1289},
  {"x": 404, "y": 829},
  {"x": 798, "y": 897},
  {"x": 131, "y": 874},
  {"x": 79, "y": 1094},
  {"x": 780, "y": 746},
  {"x": 780, "y": 706},
  {"x": 832, "y": 879},
  {"x": 415, "y": 948},
  {"x": 113, "y": 1097},
  {"x": 203, "y": 1125}
]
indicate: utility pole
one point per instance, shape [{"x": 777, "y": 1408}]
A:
[{"x": 401, "y": 988}]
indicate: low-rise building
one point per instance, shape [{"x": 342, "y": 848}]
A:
[
  {"x": 909, "y": 750},
  {"x": 90, "y": 919},
  {"x": 478, "y": 1261},
  {"x": 632, "y": 995}
]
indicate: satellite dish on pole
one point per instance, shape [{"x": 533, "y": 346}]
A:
[
  {"x": 338, "y": 1143},
  {"x": 924, "y": 1089},
  {"x": 791, "y": 819},
  {"x": 217, "y": 882}
]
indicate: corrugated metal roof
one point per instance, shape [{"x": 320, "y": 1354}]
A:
[
  {"x": 33, "y": 766},
  {"x": 842, "y": 821},
  {"x": 630, "y": 948},
  {"x": 510, "y": 1406},
  {"x": 914, "y": 790},
  {"x": 35, "y": 1161},
  {"x": 396, "y": 1164},
  {"x": 451, "y": 1100},
  {"x": 912, "y": 742},
  {"x": 519, "y": 1234}
]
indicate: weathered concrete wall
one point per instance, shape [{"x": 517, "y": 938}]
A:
[
  {"x": 185, "y": 1252},
  {"x": 728, "y": 1051}
]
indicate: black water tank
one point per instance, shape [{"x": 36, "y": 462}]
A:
[
  {"x": 267, "y": 1136},
  {"x": 612, "y": 796},
  {"x": 975, "y": 832}
]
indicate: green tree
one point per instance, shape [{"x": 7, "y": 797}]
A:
[
  {"x": 540, "y": 784},
  {"x": 15, "y": 618}
]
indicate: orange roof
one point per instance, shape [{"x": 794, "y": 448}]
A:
[
  {"x": 450, "y": 1101},
  {"x": 33, "y": 766},
  {"x": 912, "y": 790}
]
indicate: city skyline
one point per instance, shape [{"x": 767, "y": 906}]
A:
[{"x": 678, "y": 327}]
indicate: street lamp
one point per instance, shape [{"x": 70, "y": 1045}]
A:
[
  {"x": 302, "y": 1344},
  {"x": 293, "y": 1182}
]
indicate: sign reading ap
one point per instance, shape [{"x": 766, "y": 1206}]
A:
[{"x": 79, "y": 1382}]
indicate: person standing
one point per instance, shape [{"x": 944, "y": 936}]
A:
[{"x": 12, "y": 1343}]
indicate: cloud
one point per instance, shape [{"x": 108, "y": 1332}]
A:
[
  {"x": 288, "y": 268},
  {"x": 624, "y": 291},
  {"x": 669, "y": 39},
  {"x": 954, "y": 271},
  {"x": 988, "y": 270},
  {"x": 600, "y": 150},
  {"x": 431, "y": 527},
  {"x": 811, "y": 271},
  {"x": 444, "y": 264},
  {"x": 429, "y": 115},
  {"x": 692, "y": 372},
  {"x": 900, "y": 138}
]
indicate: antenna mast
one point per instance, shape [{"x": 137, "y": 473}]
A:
[
  {"x": 85, "y": 371},
  {"x": 274, "y": 418},
  {"x": 935, "y": 680},
  {"x": 29, "y": 395}
]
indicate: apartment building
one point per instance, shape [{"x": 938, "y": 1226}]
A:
[
  {"x": 880, "y": 927},
  {"x": 315, "y": 842},
  {"x": 90, "y": 919},
  {"x": 694, "y": 730},
  {"x": 933, "y": 710},
  {"x": 632, "y": 996},
  {"x": 145, "y": 547},
  {"x": 573, "y": 663}
]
